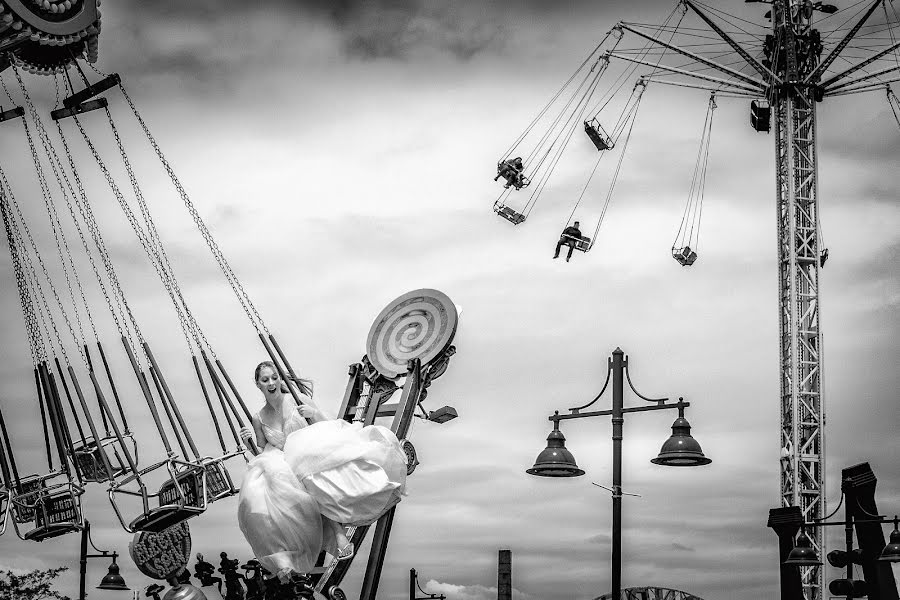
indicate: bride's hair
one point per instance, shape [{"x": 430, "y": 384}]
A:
[{"x": 305, "y": 385}]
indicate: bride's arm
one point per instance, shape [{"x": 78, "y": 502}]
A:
[
  {"x": 309, "y": 409},
  {"x": 257, "y": 429}
]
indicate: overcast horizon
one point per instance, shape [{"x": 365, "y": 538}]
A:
[{"x": 342, "y": 154}]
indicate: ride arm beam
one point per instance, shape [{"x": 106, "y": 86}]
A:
[
  {"x": 697, "y": 86},
  {"x": 861, "y": 65},
  {"x": 710, "y": 63},
  {"x": 847, "y": 84},
  {"x": 719, "y": 80},
  {"x": 872, "y": 87},
  {"x": 842, "y": 44},
  {"x": 760, "y": 68}
]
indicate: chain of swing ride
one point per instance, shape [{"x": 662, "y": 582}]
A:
[
  {"x": 563, "y": 125},
  {"x": 152, "y": 245}
]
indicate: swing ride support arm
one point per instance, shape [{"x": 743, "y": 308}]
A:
[
  {"x": 12, "y": 113},
  {"x": 760, "y": 68},
  {"x": 860, "y": 65},
  {"x": 92, "y": 90},
  {"x": 62, "y": 113},
  {"x": 661, "y": 67},
  {"x": 826, "y": 62},
  {"x": 709, "y": 63}
]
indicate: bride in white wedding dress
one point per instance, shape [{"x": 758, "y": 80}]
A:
[{"x": 312, "y": 477}]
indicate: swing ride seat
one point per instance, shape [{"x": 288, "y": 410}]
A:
[
  {"x": 597, "y": 135},
  {"x": 24, "y": 497},
  {"x": 90, "y": 461},
  {"x": 58, "y": 512},
  {"x": 582, "y": 244},
  {"x": 685, "y": 256},
  {"x": 180, "y": 498},
  {"x": 760, "y": 115},
  {"x": 218, "y": 480},
  {"x": 509, "y": 213}
]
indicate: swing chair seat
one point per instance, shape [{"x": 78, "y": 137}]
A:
[
  {"x": 597, "y": 135},
  {"x": 685, "y": 256},
  {"x": 582, "y": 244},
  {"x": 509, "y": 213},
  {"x": 218, "y": 480},
  {"x": 57, "y": 513},
  {"x": 90, "y": 461},
  {"x": 760, "y": 115},
  {"x": 180, "y": 499},
  {"x": 25, "y": 497}
]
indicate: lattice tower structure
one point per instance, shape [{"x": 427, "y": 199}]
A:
[{"x": 800, "y": 336}]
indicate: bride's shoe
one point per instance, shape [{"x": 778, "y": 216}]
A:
[{"x": 346, "y": 552}]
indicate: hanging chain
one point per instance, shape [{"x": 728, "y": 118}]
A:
[
  {"x": 135, "y": 225},
  {"x": 31, "y": 272},
  {"x": 233, "y": 281},
  {"x": 59, "y": 235},
  {"x": 156, "y": 246},
  {"x": 21, "y": 282},
  {"x": 87, "y": 214}
]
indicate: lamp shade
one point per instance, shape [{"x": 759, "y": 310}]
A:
[
  {"x": 112, "y": 580},
  {"x": 803, "y": 554},
  {"x": 891, "y": 552},
  {"x": 555, "y": 460},
  {"x": 681, "y": 450}
]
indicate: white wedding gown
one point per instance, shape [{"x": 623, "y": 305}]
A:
[{"x": 307, "y": 474}]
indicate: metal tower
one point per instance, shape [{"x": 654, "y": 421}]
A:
[{"x": 787, "y": 82}]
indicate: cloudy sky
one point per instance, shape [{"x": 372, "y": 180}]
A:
[{"x": 342, "y": 154}]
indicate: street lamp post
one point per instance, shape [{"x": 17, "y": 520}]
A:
[
  {"x": 680, "y": 450},
  {"x": 112, "y": 580}
]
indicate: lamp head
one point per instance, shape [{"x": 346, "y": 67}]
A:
[
  {"x": 443, "y": 414},
  {"x": 803, "y": 554},
  {"x": 891, "y": 552},
  {"x": 555, "y": 460},
  {"x": 112, "y": 580},
  {"x": 681, "y": 449}
]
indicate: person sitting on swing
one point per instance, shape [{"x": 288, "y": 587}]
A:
[
  {"x": 511, "y": 169},
  {"x": 570, "y": 237},
  {"x": 203, "y": 571}
]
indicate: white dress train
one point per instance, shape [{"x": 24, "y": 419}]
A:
[{"x": 309, "y": 474}]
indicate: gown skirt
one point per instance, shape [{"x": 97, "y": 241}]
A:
[{"x": 331, "y": 470}]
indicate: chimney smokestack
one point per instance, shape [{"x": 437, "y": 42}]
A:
[{"x": 504, "y": 575}]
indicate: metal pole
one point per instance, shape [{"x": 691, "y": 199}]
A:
[
  {"x": 848, "y": 540},
  {"x": 412, "y": 584},
  {"x": 617, "y": 420},
  {"x": 84, "y": 543}
]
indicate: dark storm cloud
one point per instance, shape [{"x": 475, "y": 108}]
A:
[{"x": 367, "y": 29}]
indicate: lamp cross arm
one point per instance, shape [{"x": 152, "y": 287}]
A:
[
  {"x": 853, "y": 522},
  {"x": 606, "y": 413}
]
